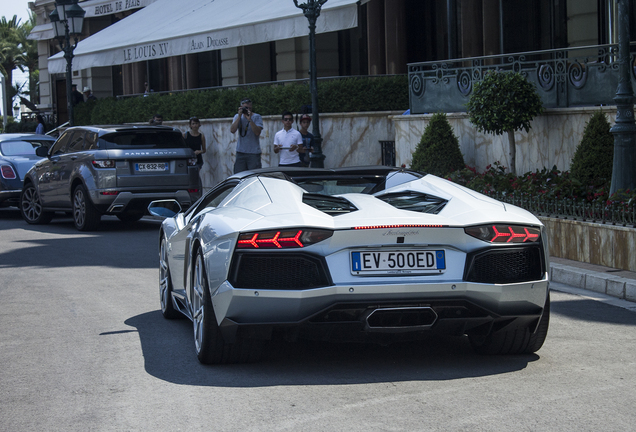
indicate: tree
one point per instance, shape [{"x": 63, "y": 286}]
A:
[
  {"x": 594, "y": 156},
  {"x": 28, "y": 57},
  {"x": 10, "y": 49},
  {"x": 438, "y": 152},
  {"x": 504, "y": 102}
]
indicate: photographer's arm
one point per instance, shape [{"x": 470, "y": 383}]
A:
[{"x": 235, "y": 123}]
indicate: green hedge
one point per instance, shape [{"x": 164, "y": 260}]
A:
[{"x": 340, "y": 95}]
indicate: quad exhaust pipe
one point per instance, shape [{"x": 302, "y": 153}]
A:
[{"x": 405, "y": 318}]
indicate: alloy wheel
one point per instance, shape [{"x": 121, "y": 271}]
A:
[
  {"x": 198, "y": 303},
  {"x": 79, "y": 207},
  {"x": 30, "y": 204}
]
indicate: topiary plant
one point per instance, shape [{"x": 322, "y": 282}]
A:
[
  {"x": 594, "y": 156},
  {"x": 438, "y": 152},
  {"x": 504, "y": 102}
]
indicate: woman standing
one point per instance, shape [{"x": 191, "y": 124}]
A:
[
  {"x": 196, "y": 140},
  {"x": 40, "y": 129}
]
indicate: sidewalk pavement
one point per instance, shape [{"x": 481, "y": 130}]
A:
[{"x": 620, "y": 284}]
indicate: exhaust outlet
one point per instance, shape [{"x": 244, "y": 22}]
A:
[{"x": 406, "y": 318}]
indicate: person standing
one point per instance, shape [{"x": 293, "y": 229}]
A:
[
  {"x": 40, "y": 129},
  {"x": 156, "y": 120},
  {"x": 196, "y": 140},
  {"x": 88, "y": 95},
  {"x": 308, "y": 140},
  {"x": 248, "y": 148},
  {"x": 287, "y": 141},
  {"x": 76, "y": 96}
]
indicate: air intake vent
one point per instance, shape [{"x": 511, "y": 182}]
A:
[
  {"x": 331, "y": 205},
  {"x": 414, "y": 201},
  {"x": 278, "y": 271},
  {"x": 505, "y": 265}
]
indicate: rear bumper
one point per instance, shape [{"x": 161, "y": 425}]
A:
[
  {"x": 139, "y": 200},
  {"x": 10, "y": 197},
  {"x": 342, "y": 312}
]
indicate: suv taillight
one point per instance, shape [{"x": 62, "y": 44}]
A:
[{"x": 104, "y": 163}]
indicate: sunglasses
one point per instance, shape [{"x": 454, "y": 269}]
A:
[
  {"x": 288, "y": 119},
  {"x": 246, "y": 101}
]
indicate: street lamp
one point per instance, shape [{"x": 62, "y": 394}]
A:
[
  {"x": 624, "y": 130},
  {"x": 311, "y": 10},
  {"x": 68, "y": 19}
]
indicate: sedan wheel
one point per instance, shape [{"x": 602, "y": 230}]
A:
[
  {"x": 85, "y": 215},
  {"x": 208, "y": 341},
  {"x": 31, "y": 206},
  {"x": 165, "y": 285}
]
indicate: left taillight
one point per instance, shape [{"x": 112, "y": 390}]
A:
[
  {"x": 282, "y": 239},
  {"x": 104, "y": 163},
  {"x": 7, "y": 172},
  {"x": 501, "y": 233}
]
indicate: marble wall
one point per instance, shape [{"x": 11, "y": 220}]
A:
[
  {"x": 351, "y": 139},
  {"x": 348, "y": 140},
  {"x": 552, "y": 139}
]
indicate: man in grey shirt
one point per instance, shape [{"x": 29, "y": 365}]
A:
[{"x": 248, "y": 149}]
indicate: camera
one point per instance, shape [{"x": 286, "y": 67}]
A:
[{"x": 244, "y": 110}]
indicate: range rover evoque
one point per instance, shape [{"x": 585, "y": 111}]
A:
[{"x": 91, "y": 171}]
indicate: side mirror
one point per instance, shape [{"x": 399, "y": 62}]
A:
[
  {"x": 42, "y": 151},
  {"x": 164, "y": 208}
]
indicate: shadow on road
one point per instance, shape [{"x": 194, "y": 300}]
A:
[
  {"x": 593, "y": 311},
  {"x": 61, "y": 245},
  {"x": 168, "y": 351}
]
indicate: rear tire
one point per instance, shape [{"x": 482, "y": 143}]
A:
[
  {"x": 31, "y": 206},
  {"x": 208, "y": 340},
  {"x": 165, "y": 284},
  {"x": 85, "y": 215},
  {"x": 514, "y": 341}
]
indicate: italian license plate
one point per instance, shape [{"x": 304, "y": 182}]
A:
[
  {"x": 151, "y": 166},
  {"x": 398, "y": 262}
]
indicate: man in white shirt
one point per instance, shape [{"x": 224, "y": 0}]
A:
[{"x": 287, "y": 142}]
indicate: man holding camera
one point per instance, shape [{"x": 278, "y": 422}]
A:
[{"x": 248, "y": 148}]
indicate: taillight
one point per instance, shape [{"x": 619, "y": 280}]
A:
[
  {"x": 193, "y": 190},
  {"x": 108, "y": 193},
  {"x": 505, "y": 233},
  {"x": 104, "y": 163},
  {"x": 282, "y": 239},
  {"x": 192, "y": 161},
  {"x": 7, "y": 172}
]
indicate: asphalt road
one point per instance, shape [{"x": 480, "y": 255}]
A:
[{"x": 83, "y": 347}]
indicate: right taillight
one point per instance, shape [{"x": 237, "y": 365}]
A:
[
  {"x": 104, "y": 163},
  {"x": 498, "y": 233}
]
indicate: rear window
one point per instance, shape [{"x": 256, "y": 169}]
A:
[
  {"x": 142, "y": 140},
  {"x": 18, "y": 148}
]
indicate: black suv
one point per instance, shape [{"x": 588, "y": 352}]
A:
[{"x": 115, "y": 170}]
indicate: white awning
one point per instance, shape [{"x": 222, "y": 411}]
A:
[
  {"x": 169, "y": 28},
  {"x": 42, "y": 32},
  {"x": 95, "y": 8}
]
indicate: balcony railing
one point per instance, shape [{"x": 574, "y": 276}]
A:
[
  {"x": 616, "y": 213},
  {"x": 585, "y": 76}
]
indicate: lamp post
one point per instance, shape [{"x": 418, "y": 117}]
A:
[
  {"x": 68, "y": 19},
  {"x": 311, "y": 10},
  {"x": 624, "y": 130}
]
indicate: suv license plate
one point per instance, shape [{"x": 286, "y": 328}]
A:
[
  {"x": 151, "y": 166},
  {"x": 398, "y": 262}
]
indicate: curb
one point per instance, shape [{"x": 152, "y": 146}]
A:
[{"x": 600, "y": 282}]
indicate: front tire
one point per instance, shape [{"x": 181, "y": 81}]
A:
[
  {"x": 208, "y": 340},
  {"x": 514, "y": 341},
  {"x": 165, "y": 284},
  {"x": 85, "y": 215},
  {"x": 31, "y": 206}
]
